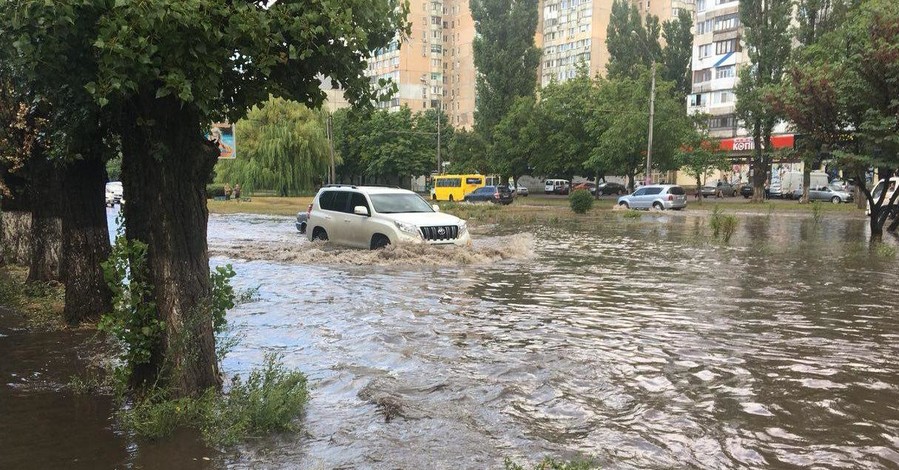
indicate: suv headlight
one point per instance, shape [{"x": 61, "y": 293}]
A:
[
  {"x": 463, "y": 227},
  {"x": 411, "y": 229}
]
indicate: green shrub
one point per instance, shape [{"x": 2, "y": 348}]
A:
[
  {"x": 215, "y": 190},
  {"x": 728, "y": 227},
  {"x": 817, "y": 211},
  {"x": 715, "y": 221},
  {"x": 581, "y": 201}
]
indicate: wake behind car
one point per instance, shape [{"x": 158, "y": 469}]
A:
[
  {"x": 657, "y": 196},
  {"x": 374, "y": 217}
]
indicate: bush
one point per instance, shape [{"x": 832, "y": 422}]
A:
[
  {"x": 581, "y": 201},
  {"x": 215, "y": 190}
]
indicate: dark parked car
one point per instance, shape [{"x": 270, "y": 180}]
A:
[
  {"x": 495, "y": 194},
  {"x": 611, "y": 188},
  {"x": 746, "y": 191},
  {"x": 726, "y": 189}
]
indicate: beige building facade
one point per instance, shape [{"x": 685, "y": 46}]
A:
[{"x": 572, "y": 32}]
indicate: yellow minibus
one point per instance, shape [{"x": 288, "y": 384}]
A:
[{"x": 455, "y": 187}]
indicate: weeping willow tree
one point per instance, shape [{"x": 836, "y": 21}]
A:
[{"x": 282, "y": 146}]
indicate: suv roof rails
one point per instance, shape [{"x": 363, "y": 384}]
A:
[{"x": 340, "y": 186}]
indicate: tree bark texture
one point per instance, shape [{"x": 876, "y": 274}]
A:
[
  {"x": 15, "y": 237},
  {"x": 45, "y": 263},
  {"x": 759, "y": 166},
  {"x": 85, "y": 241},
  {"x": 165, "y": 168}
]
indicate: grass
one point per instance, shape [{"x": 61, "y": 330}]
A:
[
  {"x": 41, "y": 302},
  {"x": 267, "y": 205},
  {"x": 552, "y": 464}
]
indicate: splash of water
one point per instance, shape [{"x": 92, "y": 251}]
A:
[{"x": 483, "y": 251}]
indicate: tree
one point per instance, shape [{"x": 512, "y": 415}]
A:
[
  {"x": 678, "y": 52},
  {"x": 505, "y": 57},
  {"x": 516, "y": 138},
  {"x": 283, "y": 147},
  {"x": 159, "y": 72},
  {"x": 564, "y": 118},
  {"x": 766, "y": 35},
  {"x": 843, "y": 93},
  {"x": 346, "y": 124},
  {"x": 630, "y": 42},
  {"x": 621, "y": 126},
  {"x": 392, "y": 148},
  {"x": 700, "y": 153},
  {"x": 425, "y": 125},
  {"x": 468, "y": 153}
]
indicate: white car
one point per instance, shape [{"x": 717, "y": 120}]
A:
[{"x": 374, "y": 217}]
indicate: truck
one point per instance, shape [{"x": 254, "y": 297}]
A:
[{"x": 786, "y": 184}]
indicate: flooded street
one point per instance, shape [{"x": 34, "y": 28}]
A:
[{"x": 642, "y": 344}]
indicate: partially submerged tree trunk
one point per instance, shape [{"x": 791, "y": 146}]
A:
[
  {"x": 164, "y": 172},
  {"x": 45, "y": 262},
  {"x": 806, "y": 181},
  {"x": 759, "y": 166},
  {"x": 85, "y": 241}
]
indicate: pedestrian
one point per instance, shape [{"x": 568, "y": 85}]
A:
[
  {"x": 227, "y": 191},
  {"x": 767, "y": 191},
  {"x": 237, "y": 192},
  {"x": 718, "y": 192}
]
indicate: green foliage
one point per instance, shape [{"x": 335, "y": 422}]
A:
[
  {"x": 215, "y": 190},
  {"x": 700, "y": 153},
  {"x": 223, "y": 297},
  {"x": 581, "y": 201},
  {"x": 505, "y": 57},
  {"x": 114, "y": 168},
  {"x": 817, "y": 212},
  {"x": 133, "y": 322},
  {"x": 631, "y": 43},
  {"x": 552, "y": 464},
  {"x": 566, "y": 112},
  {"x": 723, "y": 225},
  {"x": 621, "y": 125},
  {"x": 468, "y": 153},
  {"x": 632, "y": 214},
  {"x": 269, "y": 401},
  {"x": 516, "y": 138},
  {"x": 678, "y": 52},
  {"x": 282, "y": 147}
]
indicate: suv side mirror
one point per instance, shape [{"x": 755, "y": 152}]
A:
[
  {"x": 436, "y": 208},
  {"x": 360, "y": 210}
]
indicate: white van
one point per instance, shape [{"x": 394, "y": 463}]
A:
[
  {"x": 556, "y": 187},
  {"x": 792, "y": 181}
]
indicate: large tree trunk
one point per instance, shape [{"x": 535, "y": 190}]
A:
[
  {"x": 46, "y": 230},
  {"x": 164, "y": 172},
  {"x": 806, "y": 181},
  {"x": 85, "y": 241}
]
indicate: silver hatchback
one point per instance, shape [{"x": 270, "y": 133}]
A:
[{"x": 657, "y": 196}]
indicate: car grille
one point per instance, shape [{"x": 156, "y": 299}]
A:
[{"x": 442, "y": 232}]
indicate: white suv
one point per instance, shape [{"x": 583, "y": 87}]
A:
[{"x": 374, "y": 217}]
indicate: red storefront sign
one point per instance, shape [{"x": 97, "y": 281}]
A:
[{"x": 746, "y": 144}]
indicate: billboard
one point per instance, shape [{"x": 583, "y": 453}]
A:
[{"x": 223, "y": 134}]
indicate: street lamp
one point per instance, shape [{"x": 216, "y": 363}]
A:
[
  {"x": 652, "y": 109},
  {"x": 439, "y": 110}
]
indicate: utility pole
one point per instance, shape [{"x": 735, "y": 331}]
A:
[
  {"x": 652, "y": 112},
  {"x": 439, "y": 111},
  {"x": 332, "y": 174}
]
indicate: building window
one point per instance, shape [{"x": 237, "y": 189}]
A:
[
  {"x": 700, "y": 76},
  {"x": 703, "y": 27},
  {"x": 727, "y": 22},
  {"x": 724, "y": 47},
  {"x": 700, "y": 5},
  {"x": 727, "y": 71},
  {"x": 721, "y": 122},
  {"x": 722, "y": 2},
  {"x": 722, "y": 97},
  {"x": 696, "y": 99},
  {"x": 705, "y": 50}
]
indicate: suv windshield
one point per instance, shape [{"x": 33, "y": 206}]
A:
[{"x": 399, "y": 203}]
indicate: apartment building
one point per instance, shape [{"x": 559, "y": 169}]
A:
[
  {"x": 572, "y": 32},
  {"x": 434, "y": 66},
  {"x": 717, "y": 58}
]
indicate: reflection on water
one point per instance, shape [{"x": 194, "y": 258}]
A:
[{"x": 642, "y": 344}]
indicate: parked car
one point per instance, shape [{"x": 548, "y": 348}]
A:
[
  {"x": 519, "y": 190},
  {"x": 585, "y": 186},
  {"x": 114, "y": 193},
  {"x": 556, "y": 186},
  {"x": 724, "y": 188},
  {"x": 824, "y": 193},
  {"x": 656, "y": 196},
  {"x": 375, "y": 217},
  {"x": 746, "y": 191},
  {"x": 611, "y": 188},
  {"x": 494, "y": 194},
  {"x": 878, "y": 189}
]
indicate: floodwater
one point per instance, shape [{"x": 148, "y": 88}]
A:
[{"x": 640, "y": 344}]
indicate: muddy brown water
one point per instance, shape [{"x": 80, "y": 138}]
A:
[{"x": 641, "y": 344}]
